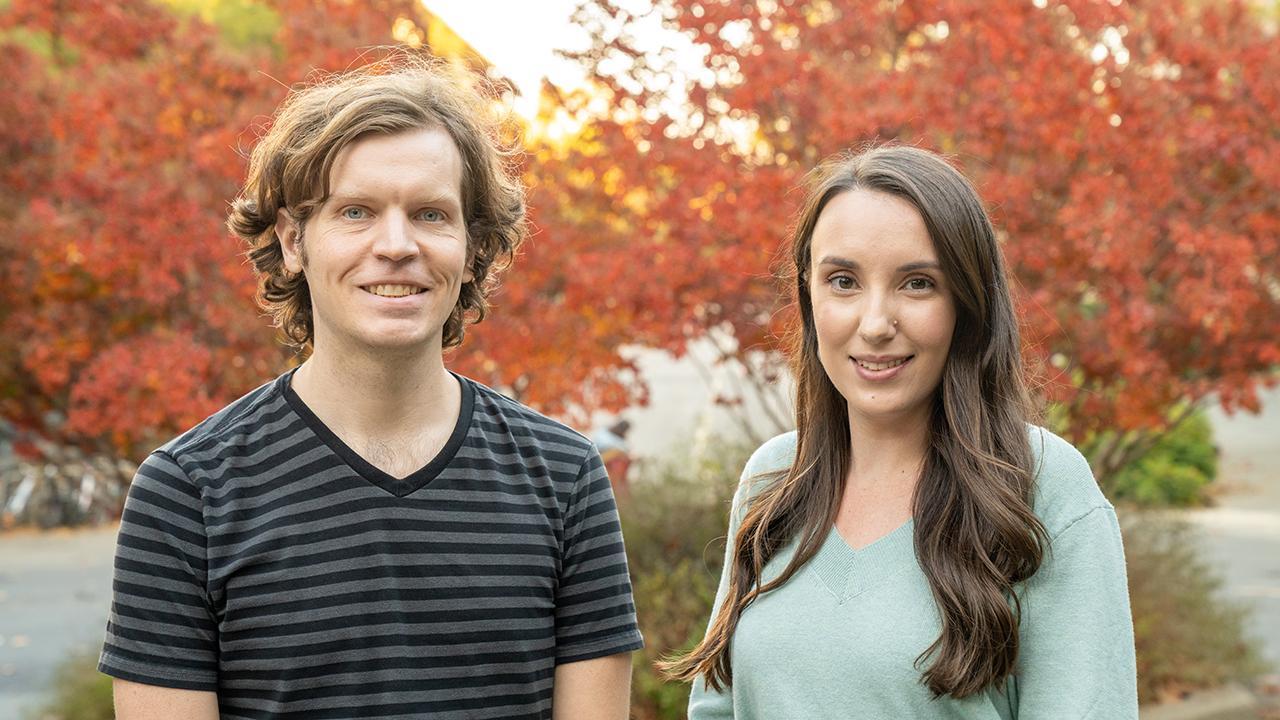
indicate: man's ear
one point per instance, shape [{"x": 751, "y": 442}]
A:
[{"x": 289, "y": 235}]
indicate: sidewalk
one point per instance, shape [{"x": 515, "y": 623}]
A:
[
  {"x": 55, "y": 591},
  {"x": 1240, "y": 536},
  {"x": 1229, "y": 703}
]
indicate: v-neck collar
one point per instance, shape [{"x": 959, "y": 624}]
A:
[
  {"x": 847, "y": 572},
  {"x": 399, "y": 487}
]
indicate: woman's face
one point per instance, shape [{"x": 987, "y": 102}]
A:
[{"x": 882, "y": 308}]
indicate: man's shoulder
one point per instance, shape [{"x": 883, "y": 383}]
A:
[
  {"x": 501, "y": 415},
  {"x": 232, "y": 424}
]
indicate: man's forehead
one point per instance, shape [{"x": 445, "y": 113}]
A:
[{"x": 424, "y": 161}]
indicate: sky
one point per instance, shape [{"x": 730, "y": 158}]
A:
[{"x": 520, "y": 37}]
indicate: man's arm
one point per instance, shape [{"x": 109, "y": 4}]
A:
[
  {"x": 595, "y": 689},
  {"x": 161, "y": 631},
  {"x": 135, "y": 701}
]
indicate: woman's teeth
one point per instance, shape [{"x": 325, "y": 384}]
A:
[{"x": 877, "y": 366}]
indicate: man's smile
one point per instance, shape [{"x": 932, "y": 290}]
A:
[{"x": 393, "y": 291}]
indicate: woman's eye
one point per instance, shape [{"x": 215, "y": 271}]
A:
[
  {"x": 919, "y": 284},
  {"x": 431, "y": 215},
  {"x": 843, "y": 282},
  {"x": 353, "y": 213}
]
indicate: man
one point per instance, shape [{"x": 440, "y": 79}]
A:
[{"x": 370, "y": 535}]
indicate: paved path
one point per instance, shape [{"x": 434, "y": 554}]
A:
[
  {"x": 55, "y": 591},
  {"x": 1242, "y": 533}
]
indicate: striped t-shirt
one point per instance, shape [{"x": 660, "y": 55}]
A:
[{"x": 261, "y": 558}]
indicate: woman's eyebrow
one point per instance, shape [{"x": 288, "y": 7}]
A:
[
  {"x": 920, "y": 265},
  {"x": 853, "y": 265},
  {"x": 839, "y": 262}
]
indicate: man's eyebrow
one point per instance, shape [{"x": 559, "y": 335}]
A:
[
  {"x": 428, "y": 198},
  {"x": 448, "y": 198},
  {"x": 349, "y": 197}
]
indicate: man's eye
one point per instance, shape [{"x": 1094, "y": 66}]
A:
[
  {"x": 353, "y": 213},
  {"x": 431, "y": 215}
]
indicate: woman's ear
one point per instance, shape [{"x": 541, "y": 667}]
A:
[{"x": 289, "y": 234}]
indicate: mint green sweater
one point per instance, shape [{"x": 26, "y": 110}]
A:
[{"x": 840, "y": 638}]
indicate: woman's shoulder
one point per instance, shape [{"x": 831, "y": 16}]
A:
[
  {"x": 774, "y": 455},
  {"x": 771, "y": 458},
  {"x": 1065, "y": 489}
]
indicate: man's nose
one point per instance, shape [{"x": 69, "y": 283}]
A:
[{"x": 395, "y": 238}]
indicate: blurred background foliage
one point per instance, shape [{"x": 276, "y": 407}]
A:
[{"x": 1129, "y": 150}]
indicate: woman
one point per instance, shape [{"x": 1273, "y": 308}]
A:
[{"x": 915, "y": 549}]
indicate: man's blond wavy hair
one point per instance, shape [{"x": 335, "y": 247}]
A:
[{"x": 290, "y": 169}]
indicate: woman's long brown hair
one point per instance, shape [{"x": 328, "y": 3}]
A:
[{"x": 976, "y": 536}]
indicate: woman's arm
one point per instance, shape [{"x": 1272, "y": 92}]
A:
[
  {"x": 1077, "y": 655},
  {"x": 705, "y": 703}
]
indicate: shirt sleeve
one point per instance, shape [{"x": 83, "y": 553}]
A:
[
  {"x": 1077, "y": 655},
  {"x": 595, "y": 613},
  {"x": 161, "y": 629},
  {"x": 705, "y": 703}
]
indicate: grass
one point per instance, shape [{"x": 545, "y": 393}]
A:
[{"x": 81, "y": 692}]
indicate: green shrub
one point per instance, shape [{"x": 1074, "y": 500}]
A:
[
  {"x": 80, "y": 692},
  {"x": 1187, "y": 636},
  {"x": 1175, "y": 471},
  {"x": 674, "y": 521}
]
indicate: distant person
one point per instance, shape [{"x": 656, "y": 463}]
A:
[
  {"x": 611, "y": 441},
  {"x": 915, "y": 549},
  {"x": 371, "y": 535}
]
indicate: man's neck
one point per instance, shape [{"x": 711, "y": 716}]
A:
[{"x": 396, "y": 398}]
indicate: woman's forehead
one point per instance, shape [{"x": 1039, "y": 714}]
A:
[{"x": 864, "y": 228}]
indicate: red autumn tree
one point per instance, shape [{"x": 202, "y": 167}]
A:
[
  {"x": 126, "y": 308},
  {"x": 1128, "y": 150}
]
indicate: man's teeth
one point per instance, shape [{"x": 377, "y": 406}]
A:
[
  {"x": 875, "y": 366},
  {"x": 393, "y": 290}
]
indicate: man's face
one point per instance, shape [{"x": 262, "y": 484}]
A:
[{"x": 385, "y": 256}]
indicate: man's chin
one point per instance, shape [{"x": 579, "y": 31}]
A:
[{"x": 398, "y": 341}]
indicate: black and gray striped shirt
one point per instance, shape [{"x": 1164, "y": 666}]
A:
[{"x": 261, "y": 558}]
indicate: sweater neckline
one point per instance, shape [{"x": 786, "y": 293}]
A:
[
  {"x": 403, "y": 486},
  {"x": 847, "y": 573}
]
